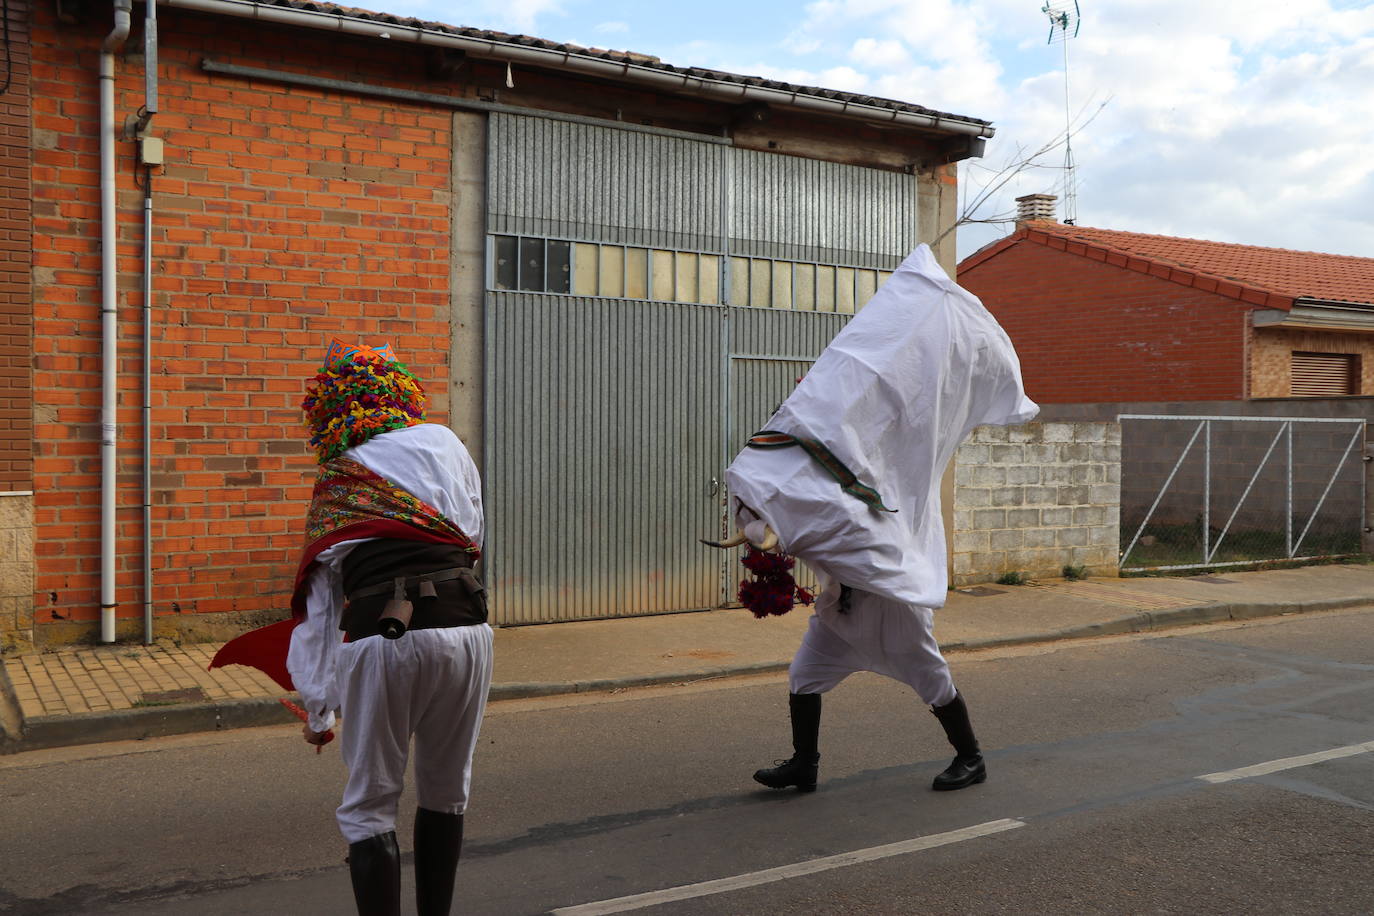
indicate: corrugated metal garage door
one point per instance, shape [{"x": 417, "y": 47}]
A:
[
  {"x": 602, "y": 444},
  {"x": 610, "y": 421}
]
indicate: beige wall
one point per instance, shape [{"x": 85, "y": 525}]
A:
[
  {"x": 1271, "y": 360},
  {"x": 16, "y": 571},
  {"x": 938, "y": 203},
  {"x": 469, "y": 280}
]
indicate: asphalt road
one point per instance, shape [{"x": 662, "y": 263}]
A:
[{"x": 1122, "y": 780}]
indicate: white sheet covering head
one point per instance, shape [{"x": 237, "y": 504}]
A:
[{"x": 892, "y": 396}]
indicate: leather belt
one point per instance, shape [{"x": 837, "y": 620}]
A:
[{"x": 388, "y": 587}]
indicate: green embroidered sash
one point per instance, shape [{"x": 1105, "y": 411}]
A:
[{"x": 849, "y": 483}]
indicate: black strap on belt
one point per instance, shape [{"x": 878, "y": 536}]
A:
[
  {"x": 460, "y": 600},
  {"x": 387, "y": 588}
]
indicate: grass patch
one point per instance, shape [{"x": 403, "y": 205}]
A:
[
  {"x": 1179, "y": 545},
  {"x": 1074, "y": 573},
  {"x": 1015, "y": 577}
]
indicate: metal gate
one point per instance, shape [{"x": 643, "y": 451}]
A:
[
  {"x": 769, "y": 354},
  {"x": 610, "y": 419},
  {"x": 1214, "y": 491}
]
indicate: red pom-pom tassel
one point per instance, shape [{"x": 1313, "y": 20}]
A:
[{"x": 772, "y": 591}]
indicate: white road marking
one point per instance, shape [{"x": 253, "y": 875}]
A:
[
  {"x": 783, "y": 872},
  {"x": 1289, "y": 763},
  {"x": 874, "y": 853}
]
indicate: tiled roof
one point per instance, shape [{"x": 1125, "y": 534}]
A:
[
  {"x": 1273, "y": 277},
  {"x": 619, "y": 57}
]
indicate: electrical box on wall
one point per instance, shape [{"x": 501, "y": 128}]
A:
[{"x": 150, "y": 151}]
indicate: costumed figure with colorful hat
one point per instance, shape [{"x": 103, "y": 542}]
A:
[
  {"x": 389, "y": 621},
  {"x": 846, "y": 477}
]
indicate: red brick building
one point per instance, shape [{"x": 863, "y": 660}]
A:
[
  {"x": 16, "y": 325},
  {"x": 1100, "y": 315},
  {"x": 511, "y": 214}
]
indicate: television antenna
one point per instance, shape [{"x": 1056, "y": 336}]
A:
[{"x": 1064, "y": 21}]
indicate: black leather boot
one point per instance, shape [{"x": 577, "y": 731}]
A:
[
  {"x": 967, "y": 767},
  {"x": 801, "y": 769},
  {"x": 438, "y": 843},
  {"x": 374, "y": 864}
]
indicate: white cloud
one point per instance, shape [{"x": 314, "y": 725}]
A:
[
  {"x": 526, "y": 12},
  {"x": 885, "y": 54},
  {"x": 607, "y": 28},
  {"x": 846, "y": 79},
  {"x": 520, "y": 16},
  {"x": 1237, "y": 122}
]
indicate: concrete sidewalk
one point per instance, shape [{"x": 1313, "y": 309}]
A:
[{"x": 122, "y": 692}]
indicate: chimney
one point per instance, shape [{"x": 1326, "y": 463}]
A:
[{"x": 1035, "y": 208}]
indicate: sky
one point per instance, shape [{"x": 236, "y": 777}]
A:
[{"x": 1248, "y": 121}]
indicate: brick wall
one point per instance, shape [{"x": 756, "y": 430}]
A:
[
  {"x": 1272, "y": 357},
  {"x": 16, "y": 335},
  {"x": 16, "y": 405},
  {"x": 1090, "y": 331},
  {"x": 1036, "y": 498},
  {"x": 283, "y": 216}
]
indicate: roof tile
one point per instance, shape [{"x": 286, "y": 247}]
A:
[{"x": 1280, "y": 272}]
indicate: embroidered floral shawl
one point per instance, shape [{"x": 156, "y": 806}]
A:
[{"x": 350, "y": 502}]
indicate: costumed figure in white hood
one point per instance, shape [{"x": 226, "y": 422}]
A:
[
  {"x": 390, "y": 620},
  {"x": 846, "y": 477}
]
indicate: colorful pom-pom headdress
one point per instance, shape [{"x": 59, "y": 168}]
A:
[{"x": 358, "y": 393}]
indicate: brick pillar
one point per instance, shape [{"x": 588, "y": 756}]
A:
[{"x": 16, "y": 336}]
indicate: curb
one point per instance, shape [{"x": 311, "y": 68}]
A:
[
  {"x": 138, "y": 724},
  {"x": 1173, "y": 618},
  {"x": 601, "y": 685}
]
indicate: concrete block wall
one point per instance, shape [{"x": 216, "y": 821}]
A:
[
  {"x": 1324, "y": 473},
  {"x": 1036, "y": 498}
]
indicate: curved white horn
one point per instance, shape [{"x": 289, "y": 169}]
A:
[
  {"x": 735, "y": 541},
  {"x": 770, "y": 539}
]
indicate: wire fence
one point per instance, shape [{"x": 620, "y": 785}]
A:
[{"x": 1213, "y": 491}]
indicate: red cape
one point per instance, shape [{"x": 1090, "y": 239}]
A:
[{"x": 264, "y": 648}]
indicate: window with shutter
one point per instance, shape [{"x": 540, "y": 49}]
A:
[{"x": 1325, "y": 375}]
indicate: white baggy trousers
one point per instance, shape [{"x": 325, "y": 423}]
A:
[
  {"x": 874, "y": 634},
  {"x": 431, "y": 684}
]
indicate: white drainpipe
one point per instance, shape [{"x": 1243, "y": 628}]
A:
[{"x": 109, "y": 328}]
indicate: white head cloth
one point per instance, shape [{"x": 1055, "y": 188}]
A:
[{"x": 892, "y": 396}]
